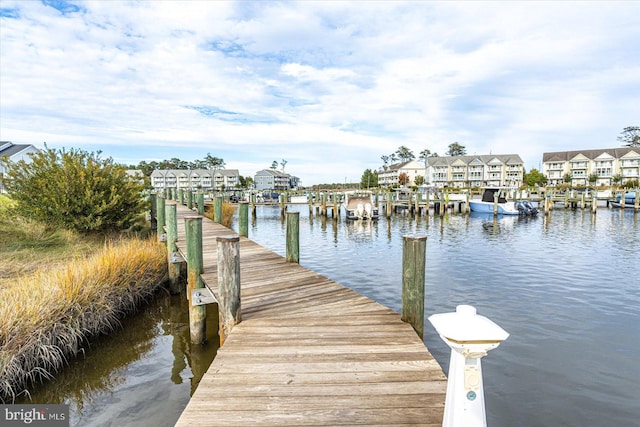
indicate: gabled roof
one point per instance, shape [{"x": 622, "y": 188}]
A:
[
  {"x": 10, "y": 149},
  {"x": 509, "y": 159},
  {"x": 565, "y": 156}
]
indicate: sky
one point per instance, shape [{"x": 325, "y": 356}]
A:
[{"x": 328, "y": 86}]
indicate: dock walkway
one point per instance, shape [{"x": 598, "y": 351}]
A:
[{"x": 310, "y": 352}]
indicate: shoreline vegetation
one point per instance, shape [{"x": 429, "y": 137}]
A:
[{"x": 58, "y": 289}]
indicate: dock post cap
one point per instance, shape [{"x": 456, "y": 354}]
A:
[
  {"x": 228, "y": 238},
  {"x": 192, "y": 217},
  {"x": 470, "y": 337}
]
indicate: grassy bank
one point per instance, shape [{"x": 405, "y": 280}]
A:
[{"x": 59, "y": 288}]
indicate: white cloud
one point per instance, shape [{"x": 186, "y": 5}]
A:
[{"x": 329, "y": 86}]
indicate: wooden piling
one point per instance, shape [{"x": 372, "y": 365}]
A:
[
  {"x": 154, "y": 213},
  {"x": 243, "y": 219},
  {"x": 200, "y": 203},
  {"x": 189, "y": 199},
  {"x": 229, "y": 310},
  {"x": 195, "y": 263},
  {"x": 174, "y": 260},
  {"x": 389, "y": 207},
  {"x": 253, "y": 198},
  {"x": 217, "y": 209},
  {"x": 413, "y": 270},
  {"x": 323, "y": 204},
  {"x": 594, "y": 202},
  {"x": 293, "y": 237},
  {"x": 496, "y": 196},
  {"x": 636, "y": 204},
  {"x": 160, "y": 202}
]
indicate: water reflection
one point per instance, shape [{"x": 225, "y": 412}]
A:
[
  {"x": 145, "y": 371},
  {"x": 561, "y": 284}
]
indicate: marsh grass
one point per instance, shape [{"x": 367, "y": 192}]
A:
[
  {"x": 228, "y": 210},
  {"x": 48, "y": 315}
]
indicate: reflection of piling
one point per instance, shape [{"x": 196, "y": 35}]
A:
[
  {"x": 228, "y": 284},
  {"x": 413, "y": 269},
  {"x": 197, "y": 313}
]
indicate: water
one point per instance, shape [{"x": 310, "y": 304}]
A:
[
  {"x": 566, "y": 288},
  {"x": 142, "y": 374}
]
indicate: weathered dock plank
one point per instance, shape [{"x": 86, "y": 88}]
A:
[{"x": 310, "y": 352}]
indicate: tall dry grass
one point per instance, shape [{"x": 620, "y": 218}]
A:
[
  {"x": 228, "y": 210},
  {"x": 46, "y": 316}
]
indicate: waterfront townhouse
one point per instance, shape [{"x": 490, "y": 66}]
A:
[
  {"x": 388, "y": 176},
  {"x": 603, "y": 164},
  {"x": 492, "y": 170},
  {"x": 195, "y": 179},
  {"x": 11, "y": 152},
  {"x": 270, "y": 179}
]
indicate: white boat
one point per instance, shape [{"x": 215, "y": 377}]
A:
[
  {"x": 359, "y": 204},
  {"x": 487, "y": 203}
]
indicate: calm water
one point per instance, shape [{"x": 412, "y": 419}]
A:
[{"x": 566, "y": 288}]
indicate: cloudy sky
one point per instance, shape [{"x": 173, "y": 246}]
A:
[{"x": 328, "y": 86}]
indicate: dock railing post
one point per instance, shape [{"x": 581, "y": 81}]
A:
[
  {"x": 217, "y": 209},
  {"x": 228, "y": 284},
  {"x": 172, "y": 249},
  {"x": 189, "y": 199},
  {"x": 153, "y": 213},
  {"x": 195, "y": 262},
  {"x": 293, "y": 237},
  {"x": 243, "y": 218},
  {"x": 200, "y": 203},
  {"x": 413, "y": 269},
  {"x": 161, "y": 221}
]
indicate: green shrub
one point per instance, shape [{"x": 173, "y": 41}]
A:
[{"x": 75, "y": 189}]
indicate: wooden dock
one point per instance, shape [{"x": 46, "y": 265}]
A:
[{"x": 310, "y": 352}]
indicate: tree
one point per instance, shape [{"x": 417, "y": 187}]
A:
[
  {"x": 567, "y": 178},
  {"x": 456, "y": 149},
  {"x": 213, "y": 162},
  {"x": 419, "y": 180},
  {"x": 274, "y": 165},
  {"x": 248, "y": 182},
  {"x": 534, "y": 177},
  {"x": 403, "y": 178},
  {"x": 404, "y": 154},
  {"x": 424, "y": 154},
  {"x": 369, "y": 179},
  {"x": 616, "y": 179},
  {"x": 75, "y": 189},
  {"x": 283, "y": 163},
  {"x": 385, "y": 160},
  {"x": 593, "y": 178},
  {"x": 630, "y": 136}
]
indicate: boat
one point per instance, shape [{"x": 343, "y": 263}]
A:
[
  {"x": 359, "y": 204},
  {"x": 629, "y": 200},
  {"x": 505, "y": 207}
]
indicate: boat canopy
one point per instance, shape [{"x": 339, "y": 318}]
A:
[{"x": 488, "y": 195}]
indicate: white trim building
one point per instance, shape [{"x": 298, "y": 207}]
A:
[
  {"x": 604, "y": 163},
  {"x": 195, "y": 179},
  {"x": 271, "y": 179},
  {"x": 492, "y": 170},
  {"x": 15, "y": 153},
  {"x": 388, "y": 175}
]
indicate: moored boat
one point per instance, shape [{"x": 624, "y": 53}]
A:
[
  {"x": 629, "y": 200},
  {"x": 504, "y": 207},
  {"x": 359, "y": 204}
]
